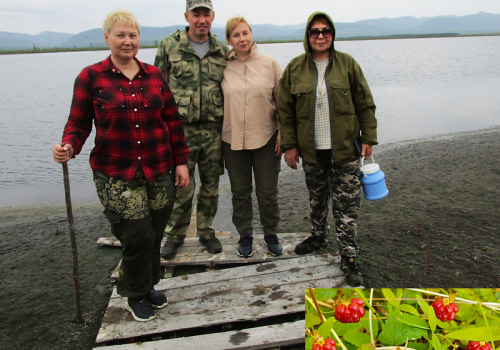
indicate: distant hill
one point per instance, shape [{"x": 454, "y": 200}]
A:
[
  {"x": 481, "y": 22},
  {"x": 15, "y": 41}
]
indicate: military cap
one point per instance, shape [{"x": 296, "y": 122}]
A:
[{"x": 192, "y": 4}]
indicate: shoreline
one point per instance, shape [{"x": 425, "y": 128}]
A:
[
  {"x": 269, "y": 41},
  {"x": 439, "y": 227}
]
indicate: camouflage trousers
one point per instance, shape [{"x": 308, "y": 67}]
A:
[
  {"x": 339, "y": 182},
  {"x": 138, "y": 212},
  {"x": 205, "y": 149}
]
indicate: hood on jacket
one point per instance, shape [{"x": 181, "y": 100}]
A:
[{"x": 307, "y": 47}]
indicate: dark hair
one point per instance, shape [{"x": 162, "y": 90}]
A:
[{"x": 320, "y": 18}]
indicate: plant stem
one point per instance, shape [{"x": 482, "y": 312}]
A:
[
  {"x": 321, "y": 317},
  {"x": 360, "y": 293},
  {"x": 487, "y": 325}
]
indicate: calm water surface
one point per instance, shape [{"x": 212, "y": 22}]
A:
[{"x": 421, "y": 87}]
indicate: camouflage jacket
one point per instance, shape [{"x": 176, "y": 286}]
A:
[{"x": 195, "y": 82}]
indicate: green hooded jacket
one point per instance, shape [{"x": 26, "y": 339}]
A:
[
  {"x": 194, "y": 81},
  {"x": 352, "y": 110}
]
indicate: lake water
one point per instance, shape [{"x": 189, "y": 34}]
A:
[{"x": 420, "y": 86}]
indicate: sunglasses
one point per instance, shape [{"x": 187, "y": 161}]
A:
[{"x": 327, "y": 33}]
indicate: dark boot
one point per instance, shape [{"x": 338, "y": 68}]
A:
[
  {"x": 350, "y": 267},
  {"x": 311, "y": 243}
]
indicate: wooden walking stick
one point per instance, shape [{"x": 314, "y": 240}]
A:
[{"x": 69, "y": 210}]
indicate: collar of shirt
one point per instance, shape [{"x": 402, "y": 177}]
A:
[{"x": 107, "y": 64}]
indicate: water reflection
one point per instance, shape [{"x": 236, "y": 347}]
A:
[{"x": 421, "y": 87}]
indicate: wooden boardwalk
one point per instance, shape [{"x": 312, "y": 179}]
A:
[
  {"x": 252, "y": 338},
  {"x": 194, "y": 253},
  {"x": 246, "y": 293}
]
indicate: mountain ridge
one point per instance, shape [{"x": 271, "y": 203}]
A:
[{"x": 479, "y": 23}]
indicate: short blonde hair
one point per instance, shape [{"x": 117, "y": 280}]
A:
[
  {"x": 122, "y": 17},
  {"x": 232, "y": 23}
]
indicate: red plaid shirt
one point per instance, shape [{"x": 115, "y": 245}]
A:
[{"x": 137, "y": 122}]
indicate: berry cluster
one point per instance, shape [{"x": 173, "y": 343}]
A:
[
  {"x": 329, "y": 344},
  {"x": 444, "y": 312},
  {"x": 351, "y": 313},
  {"x": 475, "y": 345}
]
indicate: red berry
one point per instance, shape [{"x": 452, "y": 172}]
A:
[
  {"x": 350, "y": 318},
  {"x": 328, "y": 346},
  {"x": 473, "y": 345},
  {"x": 316, "y": 347},
  {"x": 455, "y": 307},
  {"x": 358, "y": 301},
  {"x": 361, "y": 312},
  {"x": 340, "y": 312},
  {"x": 330, "y": 341},
  {"x": 353, "y": 308},
  {"x": 437, "y": 305}
]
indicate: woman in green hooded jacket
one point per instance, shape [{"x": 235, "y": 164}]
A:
[{"x": 325, "y": 108}]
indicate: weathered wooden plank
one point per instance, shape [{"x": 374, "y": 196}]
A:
[
  {"x": 214, "y": 298},
  {"x": 222, "y": 277},
  {"x": 259, "y": 296},
  {"x": 114, "y": 242},
  {"x": 192, "y": 252},
  {"x": 118, "y": 322},
  {"x": 114, "y": 274},
  {"x": 249, "y": 339}
]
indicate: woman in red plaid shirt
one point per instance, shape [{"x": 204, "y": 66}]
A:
[{"x": 140, "y": 155}]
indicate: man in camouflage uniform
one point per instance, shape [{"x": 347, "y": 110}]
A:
[{"x": 192, "y": 61}]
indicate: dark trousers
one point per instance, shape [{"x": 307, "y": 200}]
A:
[
  {"x": 266, "y": 167},
  {"x": 138, "y": 212},
  {"x": 339, "y": 182}
]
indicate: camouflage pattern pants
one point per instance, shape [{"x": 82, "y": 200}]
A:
[
  {"x": 340, "y": 182},
  {"x": 205, "y": 149},
  {"x": 138, "y": 212},
  {"x": 266, "y": 167}
]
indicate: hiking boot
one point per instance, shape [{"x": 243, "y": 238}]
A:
[
  {"x": 213, "y": 245},
  {"x": 156, "y": 299},
  {"x": 170, "y": 249},
  {"x": 273, "y": 244},
  {"x": 141, "y": 310},
  {"x": 350, "y": 267},
  {"x": 245, "y": 245},
  {"x": 311, "y": 243}
]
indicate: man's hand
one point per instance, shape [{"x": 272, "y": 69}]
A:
[
  {"x": 181, "y": 176},
  {"x": 292, "y": 158},
  {"x": 366, "y": 151},
  {"x": 62, "y": 154}
]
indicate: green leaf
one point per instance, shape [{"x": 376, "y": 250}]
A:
[
  {"x": 309, "y": 343},
  {"x": 312, "y": 317},
  {"x": 466, "y": 312},
  {"x": 366, "y": 325},
  {"x": 423, "y": 304},
  {"x": 357, "y": 338},
  {"x": 396, "y": 333},
  {"x": 325, "y": 328},
  {"x": 325, "y": 293},
  {"x": 391, "y": 298},
  {"x": 417, "y": 346},
  {"x": 432, "y": 319},
  {"x": 399, "y": 293},
  {"x": 408, "y": 308},
  {"x": 369, "y": 346},
  {"x": 342, "y": 328},
  {"x": 476, "y": 334},
  {"x": 412, "y": 320},
  {"x": 435, "y": 342}
]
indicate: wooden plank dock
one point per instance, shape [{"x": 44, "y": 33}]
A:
[
  {"x": 272, "y": 336},
  {"x": 245, "y": 293},
  {"x": 195, "y": 253}
]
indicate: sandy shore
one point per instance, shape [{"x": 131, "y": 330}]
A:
[{"x": 447, "y": 185}]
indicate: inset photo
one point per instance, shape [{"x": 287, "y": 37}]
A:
[{"x": 393, "y": 319}]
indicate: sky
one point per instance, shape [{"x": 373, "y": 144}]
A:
[{"x": 72, "y": 16}]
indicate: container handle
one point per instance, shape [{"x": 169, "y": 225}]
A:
[{"x": 361, "y": 158}]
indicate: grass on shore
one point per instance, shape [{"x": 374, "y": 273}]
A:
[{"x": 270, "y": 41}]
